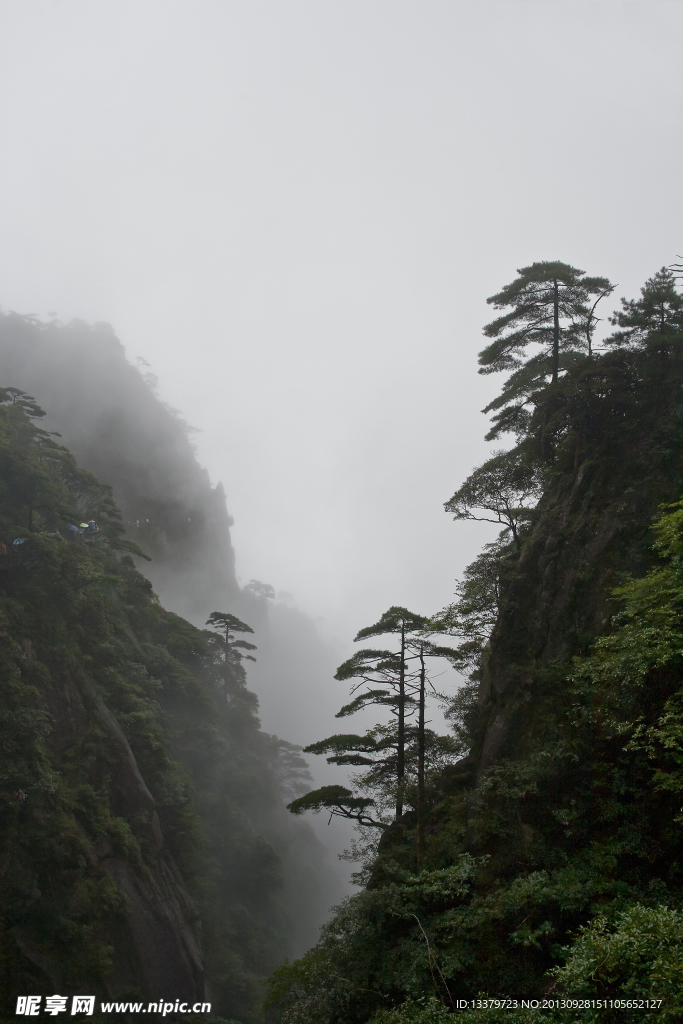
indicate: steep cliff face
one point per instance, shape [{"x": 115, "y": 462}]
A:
[
  {"x": 591, "y": 527},
  {"x": 90, "y": 892},
  {"x": 147, "y": 936},
  {"x": 117, "y": 428}
]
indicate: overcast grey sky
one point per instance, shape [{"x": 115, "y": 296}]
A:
[{"x": 295, "y": 209}]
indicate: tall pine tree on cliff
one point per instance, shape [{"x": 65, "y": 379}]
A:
[
  {"x": 399, "y": 622},
  {"x": 549, "y": 311},
  {"x": 388, "y": 753}
]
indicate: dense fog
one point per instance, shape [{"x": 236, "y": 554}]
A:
[
  {"x": 245, "y": 254},
  {"x": 295, "y": 212}
]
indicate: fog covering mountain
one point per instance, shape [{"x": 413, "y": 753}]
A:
[
  {"x": 110, "y": 419},
  {"x": 115, "y": 426}
]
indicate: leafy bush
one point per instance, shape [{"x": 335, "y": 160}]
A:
[{"x": 639, "y": 955}]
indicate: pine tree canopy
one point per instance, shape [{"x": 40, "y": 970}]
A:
[
  {"x": 229, "y": 623},
  {"x": 549, "y": 307},
  {"x": 501, "y": 491},
  {"x": 658, "y": 312},
  {"x": 395, "y": 620},
  {"x": 26, "y": 403},
  {"x": 341, "y": 744},
  {"x": 366, "y": 662},
  {"x": 382, "y": 698},
  {"x": 263, "y": 591},
  {"x": 338, "y": 801},
  {"x": 472, "y": 617}
]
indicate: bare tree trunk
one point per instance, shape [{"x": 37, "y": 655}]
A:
[
  {"x": 401, "y": 752},
  {"x": 556, "y": 331},
  {"x": 421, "y": 764}
]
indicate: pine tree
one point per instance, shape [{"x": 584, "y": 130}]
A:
[
  {"x": 261, "y": 591},
  {"x": 548, "y": 306},
  {"x": 229, "y": 625},
  {"x": 656, "y": 315},
  {"x": 340, "y": 802},
  {"x": 373, "y": 667},
  {"x": 503, "y": 490},
  {"x": 386, "y": 752}
]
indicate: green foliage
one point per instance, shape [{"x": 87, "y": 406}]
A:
[
  {"x": 638, "y": 955},
  {"x": 541, "y": 293},
  {"x": 429, "y": 1011},
  {"x": 549, "y": 308},
  {"x": 352, "y": 970},
  {"x": 41, "y": 487},
  {"x": 326, "y": 796},
  {"x": 390, "y": 754},
  {"x": 396, "y": 620},
  {"x": 658, "y": 313},
  {"x": 498, "y": 492},
  {"x": 377, "y": 753},
  {"x": 642, "y": 659},
  {"x": 377, "y": 749},
  {"x": 86, "y": 650},
  {"x": 648, "y": 634},
  {"x": 20, "y": 400},
  {"x": 338, "y": 801},
  {"x": 229, "y": 625},
  {"x": 472, "y": 617}
]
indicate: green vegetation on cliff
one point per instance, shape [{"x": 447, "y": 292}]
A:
[
  {"x": 551, "y": 862},
  {"x": 141, "y": 812}
]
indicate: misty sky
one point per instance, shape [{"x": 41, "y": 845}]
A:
[{"x": 295, "y": 209}]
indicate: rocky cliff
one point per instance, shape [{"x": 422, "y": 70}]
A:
[{"x": 591, "y": 528}]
